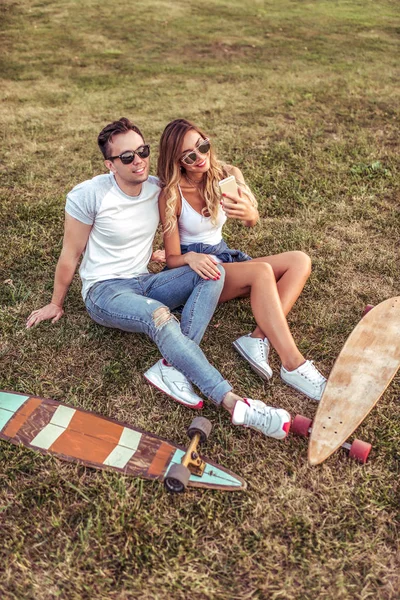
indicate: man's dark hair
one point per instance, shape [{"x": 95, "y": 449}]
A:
[{"x": 123, "y": 125}]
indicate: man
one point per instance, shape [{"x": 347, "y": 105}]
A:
[{"x": 112, "y": 219}]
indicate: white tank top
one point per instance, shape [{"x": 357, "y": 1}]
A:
[{"x": 194, "y": 227}]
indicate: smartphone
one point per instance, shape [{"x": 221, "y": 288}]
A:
[{"x": 228, "y": 185}]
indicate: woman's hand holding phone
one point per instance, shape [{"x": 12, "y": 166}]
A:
[
  {"x": 203, "y": 265},
  {"x": 234, "y": 204},
  {"x": 237, "y": 206}
]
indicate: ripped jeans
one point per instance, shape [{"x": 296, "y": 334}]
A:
[{"x": 141, "y": 305}]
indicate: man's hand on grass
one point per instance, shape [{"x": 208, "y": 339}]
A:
[{"x": 50, "y": 311}]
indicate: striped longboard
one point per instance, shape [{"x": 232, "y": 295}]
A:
[{"x": 76, "y": 435}]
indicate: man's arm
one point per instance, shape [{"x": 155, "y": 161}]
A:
[{"x": 76, "y": 235}]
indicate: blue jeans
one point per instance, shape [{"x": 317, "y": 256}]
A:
[
  {"x": 220, "y": 250},
  {"x": 133, "y": 305}
]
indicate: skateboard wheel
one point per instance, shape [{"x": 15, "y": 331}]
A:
[
  {"x": 202, "y": 426},
  {"x": 301, "y": 425},
  {"x": 177, "y": 479},
  {"x": 360, "y": 450},
  {"x": 367, "y": 309}
]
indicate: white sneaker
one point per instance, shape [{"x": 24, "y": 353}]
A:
[
  {"x": 306, "y": 379},
  {"x": 173, "y": 383},
  {"x": 273, "y": 422},
  {"x": 255, "y": 351}
]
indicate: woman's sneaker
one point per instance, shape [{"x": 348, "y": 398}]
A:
[
  {"x": 255, "y": 351},
  {"x": 173, "y": 383},
  {"x": 306, "y": 379},
  {"x": 273, "y": 422}
]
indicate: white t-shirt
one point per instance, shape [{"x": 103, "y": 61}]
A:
[{"x": 121, "y": 240}]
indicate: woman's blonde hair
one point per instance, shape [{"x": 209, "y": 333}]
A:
[{"x": 170, "y": 168}]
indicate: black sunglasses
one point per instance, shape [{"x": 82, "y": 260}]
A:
[{"x": 129, "y": 156}]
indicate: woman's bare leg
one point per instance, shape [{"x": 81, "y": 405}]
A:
[
  {"x": 291, "y": 270},
  {"x": 257, "y": 279}
]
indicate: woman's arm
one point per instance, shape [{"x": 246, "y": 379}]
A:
[
  {"x": 239, "y": 206},
  {"x": 172, "y": 244},
  {"x": 202, "y": 264}
]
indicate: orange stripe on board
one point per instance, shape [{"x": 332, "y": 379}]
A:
[
  {"x": 159, "y": 462},
  {"x": 21, "y": 416},
  {"x": 92, "y": 425},
  {"x": 84, "y": 447}
]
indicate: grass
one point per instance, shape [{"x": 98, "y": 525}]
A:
[{"x": 303, "y": 97}]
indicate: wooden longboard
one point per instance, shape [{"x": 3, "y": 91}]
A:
[
  {"x": 363, "y": 370},
  {"x": 76, "y": 435}
]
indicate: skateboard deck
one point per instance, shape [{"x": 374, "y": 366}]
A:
[
  {"x": 363, "y": 370},
  {"x": 79, "y": 436}
]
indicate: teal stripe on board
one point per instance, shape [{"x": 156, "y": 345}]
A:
[
  {"x": 12, "y": 402},
  {"x": 211, "y": 473},
  {"x": 5, "y": 416},
  {"x": 9, "y": 404}
]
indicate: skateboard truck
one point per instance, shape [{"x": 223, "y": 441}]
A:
[
  {"x": 358, "y": 449},
  {"x": 192, "y": 460},
  {"x": 179, "y": 474}
]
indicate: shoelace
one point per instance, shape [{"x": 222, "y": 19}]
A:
[
  {"x": 311, "y": 373},
  {"x": 259, "y": 417},
  {"x": 264, "y": 348}
]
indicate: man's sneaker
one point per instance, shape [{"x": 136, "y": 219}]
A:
[
  {"x": 273, "y": 422},
  {"x": 306, "y": 379},
  {"x": 170, "y": 381},
  {"x": 255, "y": 351}
]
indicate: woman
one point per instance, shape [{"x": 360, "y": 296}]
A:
[{"x": 193, "y": 214}]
